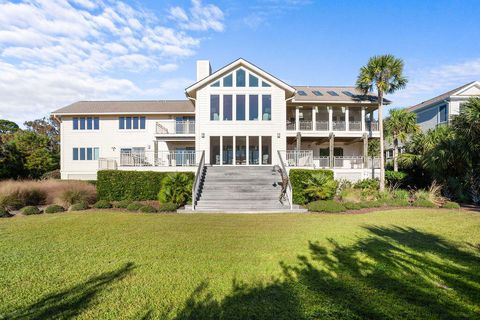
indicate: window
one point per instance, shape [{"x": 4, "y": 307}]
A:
[
  {"x": 227, "y": 107},
  {"x": 214, "y": 107},
  {"x": 302, "y": 93},
  {"x": 332, "y": 93},
  {"x": 128, "y": 123},
  {"x": 317, "y": 93},
  {"x": 264, "y": 84},
  {"x": 142, "y": 123},
  {"x": 443, "y": 111},
  {"x": 89, "y": 154},
  {"x": 266, "y": 107},
  {"x": 121, "y": 123},
  {"x": 240, "y": 77},
  {"x": 240, "y": 107},
  {"x": 88, "y": 123},
  {"x": 216, "y": 84},
  {"x": 82, "y": 123},
  {"x": 75, "y": 123},
  {"x": 253, "y": 107},
  {"x": 82, "y": 153},
  {"x": 135, "y": 122},
  {"x": 75, "y": 153},
  {"x": 228, "y": 81},
  {"x": 96, "y": 123},
  {"x": 252, "y": 81},
  {"x": 267, "y": 150},
  {"x": 347, "y": 93}
]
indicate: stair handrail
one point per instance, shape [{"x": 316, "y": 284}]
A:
[
  {"x": 196, "y": 183},
  {"x": 289, "y": 185}
]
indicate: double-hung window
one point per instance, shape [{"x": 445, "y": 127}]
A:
[
  {"x": 86, "y": 123},
  {"x": 131, "y": 123},
  {"x": 89, "y": 153}
]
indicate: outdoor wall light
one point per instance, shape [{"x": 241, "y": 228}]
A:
[
  {"x": 113, "y": 148},
  {"x": 278, "y": 135},
  {"x": 203, "y": 135}
]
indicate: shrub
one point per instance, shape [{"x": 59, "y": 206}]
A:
[
  {"x": 16, "y": 195},
  {"x": 74, "y": 195},
  {"x": 167, "y": 207},
  {"x": 55, "y": 174},
  {"x": 147, "y": 209},
  {"x": 423, "y": 203},
  {"x": 326, "y": 206},
  {"x": 395, "y": 178},
  {"x": 351, "y": 195},
  {"x": 80, "y": 206},
  {"x": 401, "y": 194},
  {"x": 123, "y": 204},
  {"x": 134, "y": 206},
  {"x": 116, "y": 185},
  {"x": 102, "y": 204},
  {"x": 176, "y": 188},
  {"x": 29, "y": 210},
  {"x": 367, "y": 184},
  {"x": 54, "y": 208},
  {"x": 352, "y": 205},
  {"x": 397, "y": 203},
  {"x": 298, "y": 177},
  {"x": 4, "y": 213},
  {"x": 371, "y": 204},
  {"x": 451, "y": 205}
]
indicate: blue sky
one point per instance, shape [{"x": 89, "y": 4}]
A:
[{"x": 54, "y": 52}]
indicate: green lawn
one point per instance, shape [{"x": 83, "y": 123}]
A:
[{"x": 404, "y": 264}]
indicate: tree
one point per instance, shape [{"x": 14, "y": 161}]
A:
[
  {"x": 385, "y": 74},
  {"x": 7, "y": 126},
  {"x": 48, "y": 127},
  {"x": 398, "y": 127}
]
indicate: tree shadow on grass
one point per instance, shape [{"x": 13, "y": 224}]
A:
[
  {"x": 72, "y": 301},
  {"x": 391, "y": 273}
]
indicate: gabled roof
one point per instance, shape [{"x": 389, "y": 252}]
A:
[
  {"x": 441, "y": 97},
  {"x": 127, "y": 107},
  {"x": 191, "y": 91},
  {"x": 340, "y": 94}
]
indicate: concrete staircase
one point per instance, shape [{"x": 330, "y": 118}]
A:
[{"x": 241, "y": 189}]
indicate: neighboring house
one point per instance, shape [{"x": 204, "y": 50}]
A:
[
  {"x": 239, "y": 115},
  {"x": 440, "y": 109}
]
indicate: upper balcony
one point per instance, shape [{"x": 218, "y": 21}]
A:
[{"x": 173, "y": 127}]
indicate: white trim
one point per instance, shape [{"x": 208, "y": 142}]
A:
[{"x": 116, "y": 113}]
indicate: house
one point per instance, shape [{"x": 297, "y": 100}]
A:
[
  {"x": 440, "y": 109},
  {"x": 238, "y": 116}
]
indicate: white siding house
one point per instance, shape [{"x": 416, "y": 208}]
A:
[{"x": 239, "y": 115}]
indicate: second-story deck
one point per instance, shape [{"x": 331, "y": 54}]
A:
[{"x": 172, "y": 127}]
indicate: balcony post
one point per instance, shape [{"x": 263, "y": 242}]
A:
[
  {"x": 371, "y": 120},
  {"x": 347, "y": 119},
  {"x": 314, "y": 118},
  {"x": 363, "y": 119},
  {"x": 331, "y": 149},
  {"x": 297, "y": 118},
  {"x": 330, "y": 119},
  {"x": 365, "y": 150},
  {"x": 155, "y": 153}
]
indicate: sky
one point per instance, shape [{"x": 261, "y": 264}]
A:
[{"x": 53, "y": 52}]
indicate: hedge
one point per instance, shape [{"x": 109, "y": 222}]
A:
[
  {"x": 117, "y": 185},
  {"x": 297, "y": 176}
]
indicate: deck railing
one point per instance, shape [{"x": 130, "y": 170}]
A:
[
  {"x": 306, "y": 125},
  {"x": 175, "y": 127},
  {"x": 322, "y": 126},
  {"x": 298, "y": 158},
  {"x": 355, "y": 126},
  {"x": 339, "y": 125},
  {"x": 348, "y": 162},
  {"x": 198, "y": 177},
  {"x": 179, "y": 158},
  {"x": 321, "y": 162},
  {"x": 372, "y": 125}
]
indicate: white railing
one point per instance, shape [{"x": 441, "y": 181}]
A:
[
  {"x": 107, "y": 164},
  {"x": 321, "y": 162},
  {"x": 306, "y": 125},
  {"x": 291, "y": 126},
  {"x": 339, "y": 126},
  {"x": 289, "y": 190},
  {"x": 322, "y": 126},
  {"x": 372, "y": 126},
  {"x": 298, "y": 158},
  {"x": 198, "y": 177},
  {"x": 159, "y": 159},
  {"x": 175, "y": 127},
  {"x": 373, "y": 163},
  {"x": 348, "y": 162},
  {"x": 355, "y": 126}
]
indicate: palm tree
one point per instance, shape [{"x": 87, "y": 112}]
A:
[
  {"x": 398, "y": 127},
  {"x": 385, "y": 74}
]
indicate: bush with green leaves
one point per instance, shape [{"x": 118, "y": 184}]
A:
[
  {"x": 395, "y": 178},
  {"x": 167, "y": 207},
  {"x": 311, "y": 185},
  {"x": 102, "y": 204},
  {"x": 371, "y": 204},
  {"x": 147, "y": 209},
  {"x": 54, "y": 208},
  {"x": 352, "y": 205},
  {"x": 29, "y": 210},
  {"x": 80, "y": 206},
  {"x": 123, "y": 204},
  {"x": 176, "y": 188},
  {"x": 401, "y": 194},
  {"x": 117, "y": 185},
  {"x": 134, "y": 206},
  {"x": 423, "y": 203},
  {"x": 451, "y": 205},
  {"x": 74, "y": 195},
  {"x": 330, "y": 206},
  {"x": 4, "y": 213},
  {"x": 397, "y": 202},
  {"x": 367, "y": 184},
  {"x": 17, "y": 198}
]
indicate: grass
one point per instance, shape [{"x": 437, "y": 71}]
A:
[{"x": 409, "y": 264}]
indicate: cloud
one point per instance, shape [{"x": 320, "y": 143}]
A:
[
  {"x": 426, "y": 83},
  {"x": 200, "y": 17},
  {"x": 260, "y": 12},
  {"x": 55, "y": 52}
]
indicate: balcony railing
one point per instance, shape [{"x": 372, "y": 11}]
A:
[
  {"x": 339, "y": 126},
  {"x": 291, "y": 126},
  {"x": 355, "y": 126},
  {"x": 321, "y": 162},
  {"x": 372, "y": 126},
  {"x": 175, "y": 127},
  {"x": 179, "y": 158},
  {"x": 306, "y": 125},
  {"x": 322, "y": 126},
  {"x": 305, "y": 158},
  {"x": 298, "y": 158},
  {"x": 348, "y": 162}
]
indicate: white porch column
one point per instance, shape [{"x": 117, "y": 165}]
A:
[
  {"x": 330, "y": 119},
  {"x": 314, "y": 118},
  {"x": 297, "y": 118},
  {"x": 363, "y": 119},
  {"x": 247, "y": 149},
  {"x": 347, "y": 118},
  {"x": 221, "y": 150},
  {"x": 234, "y": 161}
]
